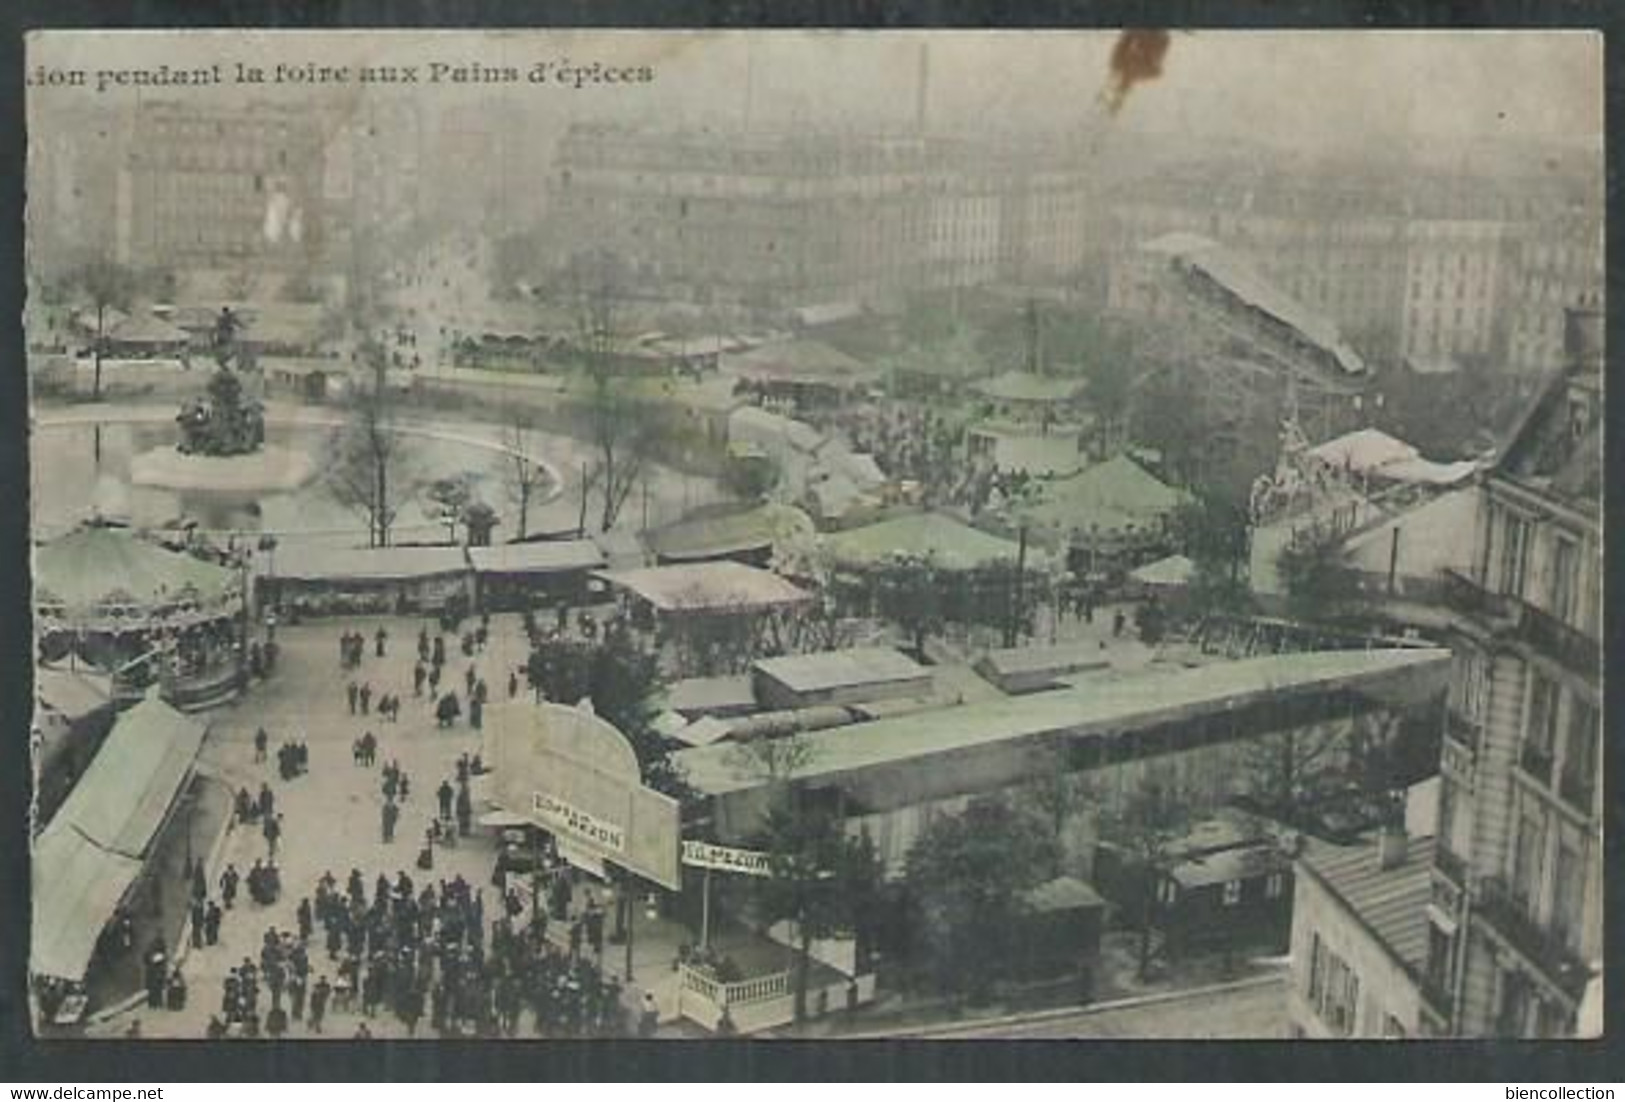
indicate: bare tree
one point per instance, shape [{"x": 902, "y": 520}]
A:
[
  {"x": 523, "y": 477},
  {"x": 618, "y": 424},
  {"x": 106, "y": 285},
  {"x": 364, "y": 473}
]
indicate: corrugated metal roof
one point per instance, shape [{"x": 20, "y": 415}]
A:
[
  {"x": 1130, "y": 703},
  {"x": 833, "y": 669},
  {"x": 123, "y": 797},
  {"x": 1391, "y": 903}
]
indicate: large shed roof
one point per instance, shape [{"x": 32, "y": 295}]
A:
[
  {"x": 123, "y": 797},
  {"x": 724, "y": 586},
  {"x": 541, "y": 557},
  {"x": 372, "y": 564},
  {"x": 76, "y": 887},
  {"x": 1132, "y": 702},
  {"x": 805, "y": 673},
  {"x": 1237, "y": 278}
]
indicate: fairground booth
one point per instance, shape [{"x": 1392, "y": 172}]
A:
[
  {"x": 339, "y": 581},
  {"x": 572, "y": 781},
  {"x": 110, "y": 598},
  {"x": 108, "y": 868}
]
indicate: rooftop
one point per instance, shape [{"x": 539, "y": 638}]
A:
[
  {"x": 125, "y": 794},
  {"x": 371, "y": 563},
  {"x": 540, "y": 557},
  {"x": 1024, "y": 386},
  {"x": 1115, "y": 494},
  {"x": 1234, "y": 276},
  {"x": 1140, "y": 701},
  {"x": 949, "y": 542},
  {"x": 1391, "y": 903},
  {"x": 96, "y": 564},
  {"x": 707, "y": 587},
  {"x": 833, "y": 669},
  {"x": 710, "y": 533}
]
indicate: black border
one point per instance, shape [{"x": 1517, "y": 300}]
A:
[{"x": 22, "y": 1059}]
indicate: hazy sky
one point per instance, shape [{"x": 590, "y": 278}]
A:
[{"x": 1318, "y": 91}]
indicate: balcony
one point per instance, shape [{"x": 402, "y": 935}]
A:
[
  {"x": 1537, "y": 763},
  {"x": 1465, "y": 732},
  {"x": 1577, "y": 651},
  {"x": 1542, "y": 945},
  {"x": 1469, "y": 597},
  {"x": 1452, "y": 865},
  {"x": 1578, "y": 787}
]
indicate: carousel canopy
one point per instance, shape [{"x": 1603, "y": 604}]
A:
[{"x": 97, "y": 568}]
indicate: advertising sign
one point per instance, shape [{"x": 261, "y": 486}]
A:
[
  {"x": 749, "y": 862},
  {"x": 576, "y": 776},
  {"x": 577, "y": 824}
]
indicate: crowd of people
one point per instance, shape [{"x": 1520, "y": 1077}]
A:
[{"x": 420, "y": 954}]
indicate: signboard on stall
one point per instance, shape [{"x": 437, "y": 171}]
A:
[
  {"x": 748, "y": 862},
  {"x": 577, "y": 777}
]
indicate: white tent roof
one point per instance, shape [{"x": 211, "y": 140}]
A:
[{"x": 1173, "y": 571}]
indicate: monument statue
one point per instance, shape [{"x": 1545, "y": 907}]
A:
[{"x": 228, "y": 421}]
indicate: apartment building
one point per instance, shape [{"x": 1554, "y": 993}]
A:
[
  {"x": 798, "y": 218},
  {"x": 1515, "y": 915},
  {"x": 211, "y": 186}
]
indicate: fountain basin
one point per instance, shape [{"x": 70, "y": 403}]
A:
[{"x": 273, "y": 469}]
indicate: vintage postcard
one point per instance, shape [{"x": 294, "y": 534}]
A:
[{"x": 818, "y": 535}]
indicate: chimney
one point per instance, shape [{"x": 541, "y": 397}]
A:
[
  {"x": 1393, "y": 845},
  {"x": 1583, "y": 329}
]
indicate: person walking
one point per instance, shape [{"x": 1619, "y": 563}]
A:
[
  {"x": 353, "y": 692},
  {"x": 419, "y": 676},
  {"x": 318, "y": 1003},
  {"x": 444, "y": 794},
  {"x": 228, "y": 885},
  {"x": 366, "y": 698},
  {"x": 391, "y": 814},
  {"x": 261, "y": 739},
  {"x": 273, "y": 834},
  {"x": 211, "y": 924},
  {"x": 380, "y": 639}
]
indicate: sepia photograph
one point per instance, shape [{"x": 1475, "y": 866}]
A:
[{"x": 818, "y": 535}]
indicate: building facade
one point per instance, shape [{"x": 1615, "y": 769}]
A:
[
  {"x": 1516, "y": 913},
  {"x": 1358, "y": 939},
  {"x": 1429, "y": 267},
  {"x": 222, "y": 187},
  {"x": 791, "y": 219}
]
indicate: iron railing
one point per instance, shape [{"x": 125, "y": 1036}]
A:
[{"x": 1544, "y": 945}]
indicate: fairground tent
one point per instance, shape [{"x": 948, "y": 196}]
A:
[{"x": 94, "y": 847}]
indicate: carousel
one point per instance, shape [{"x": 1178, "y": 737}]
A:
[{"x": 112, "y": 599}]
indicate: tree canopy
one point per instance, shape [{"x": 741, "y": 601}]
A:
[{"x": 968, "y": 874}]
